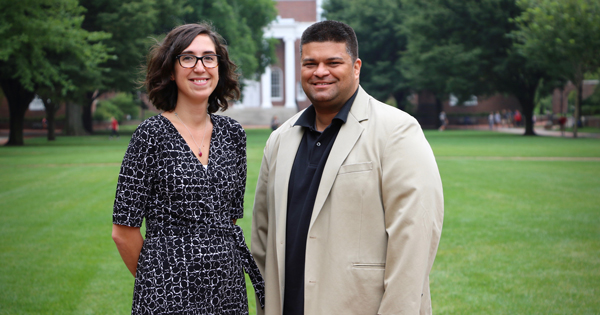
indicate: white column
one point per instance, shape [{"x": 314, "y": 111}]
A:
[
  {"x": 265, "y": 83},
  {"x": 290, "y": 72},
  {"x": 319, "y": 10}
]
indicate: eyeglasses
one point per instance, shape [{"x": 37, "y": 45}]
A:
[{"x": 190, "y": 61}]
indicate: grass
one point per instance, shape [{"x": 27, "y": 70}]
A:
[{"x": 521, "y": 228}]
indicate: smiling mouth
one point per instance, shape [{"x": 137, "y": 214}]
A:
[
  {"x": 322, "y": 84},
  {"x": 199, "y": 80}
]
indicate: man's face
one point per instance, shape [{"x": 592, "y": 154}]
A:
[{"x": 329, "y": 77}]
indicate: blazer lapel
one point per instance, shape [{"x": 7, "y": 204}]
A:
[
  {"x": 286, "y": 153},
  {"x": 346, "y": 139}
]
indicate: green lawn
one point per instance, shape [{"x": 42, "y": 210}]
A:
[{"x": 521, "y": 229}]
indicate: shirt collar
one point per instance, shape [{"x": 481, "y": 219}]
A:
[{"x": 308, "y": 118}]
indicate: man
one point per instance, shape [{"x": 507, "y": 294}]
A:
[{"x": 348, "y": 208}]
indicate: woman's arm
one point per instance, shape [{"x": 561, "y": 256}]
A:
[{"x": 129, "y": 242}]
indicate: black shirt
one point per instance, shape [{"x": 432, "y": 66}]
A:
[{"x": 304, "y": 182}]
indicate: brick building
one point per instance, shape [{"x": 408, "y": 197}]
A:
[
  {"x": 560, "y": 97},
  {"x": 280, "y": 85}
]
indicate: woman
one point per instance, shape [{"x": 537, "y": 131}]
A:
[{"x": 184, "y": 172}]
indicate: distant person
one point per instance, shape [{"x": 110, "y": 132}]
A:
[
  {"x": 504, "y": 118},
  {"x": 497, "y": 119},
  {"x": 349, "y": 206},
  {"x": 114, "y": 127},
  {"x": 491, "y": 120},
  {"x": 518, "y": 118},
  {"x": 184, "y": 174},
  {"x": 274, "y": 123},
  {"x": 44, "y": 123},
  {"x": 443, "y": 121},
  {"x": 562, "y": 121}
]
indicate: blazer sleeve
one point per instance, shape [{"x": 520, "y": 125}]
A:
[
  {"x": 260, "y": 220},
  {"x": 414, "y": 207}
]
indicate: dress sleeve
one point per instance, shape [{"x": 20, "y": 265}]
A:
[
  {"x": 237, "y": 210},
  {"x": 133, "y": 186}
]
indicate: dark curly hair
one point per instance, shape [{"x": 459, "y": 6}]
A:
[{"x": 162, "y": 91}]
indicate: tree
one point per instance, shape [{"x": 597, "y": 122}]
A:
[
  {"x": 132, "y": 25},
  {"x": 462, "y": 47},
  {"x": 377, "y": 26},
  {"x": 34, "y": 37},
  {"x": 137, "y": 24},
  {"x": 241, "y": 23},
  {"x": 563, "y": 36},
  {"x": 120, "y": 106}
]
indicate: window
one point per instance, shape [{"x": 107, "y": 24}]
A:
[
  {"x": 276, "y": 84},
  {"x": 300, "y": 95}
]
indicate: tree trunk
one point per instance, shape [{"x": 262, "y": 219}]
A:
[
  {"x": 577, "y": 114},
  {"x": 439, "y": 106},
  {"x": 526, "y": 97},
  {"x": 527, "y": 106},
  {"x": 400, "y": 97},
  {"x": 86, "y": 116},
  {"x": 73, "y": 123},
  {"x": 51, "y": 109},
  {"x": 18, "y": 102}
]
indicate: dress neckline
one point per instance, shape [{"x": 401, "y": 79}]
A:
[{"x": 190, "y": 151}]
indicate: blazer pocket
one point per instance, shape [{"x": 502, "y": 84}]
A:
[
  {"x": 368, "y": 266},
  {"x": 355, "y": 168}
]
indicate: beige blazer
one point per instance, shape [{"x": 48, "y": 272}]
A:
[{"x": 376, "y": 222}]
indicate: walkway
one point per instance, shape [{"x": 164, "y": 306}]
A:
[
  {"x": 540, "y": 131},
  {"x": 550, "y": 133}
]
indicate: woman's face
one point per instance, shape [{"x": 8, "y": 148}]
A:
[{"x": 194, "y": 85}]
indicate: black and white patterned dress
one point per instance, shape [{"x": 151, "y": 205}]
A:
[{"x": 193, "y": 256}]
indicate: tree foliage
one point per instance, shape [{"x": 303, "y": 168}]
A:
[
  {"x": 42, "y": 45},
  {"x": 241, "y": 23},
  {"x": 137, "y": 24},
  {"x": 132, "y": 24},
  {"x": 462, "y": 47},
  {"x": 67, "y": 52},
  {"x": 562, "y": 36},
  {"x": 120, "y": 106},
  {"x": 377, "y": 25}
]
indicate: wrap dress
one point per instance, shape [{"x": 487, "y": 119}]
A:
[{"x": 193, "y": 256}]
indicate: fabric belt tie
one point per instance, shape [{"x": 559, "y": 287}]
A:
[
  {"x": 240, "y": 245},
  {"x": 250, "y": 265}
]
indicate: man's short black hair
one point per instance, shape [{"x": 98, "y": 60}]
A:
[{"x": 331, "y": 31}]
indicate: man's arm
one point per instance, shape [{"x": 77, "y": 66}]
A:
[{"x": 413, "y": 201}]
